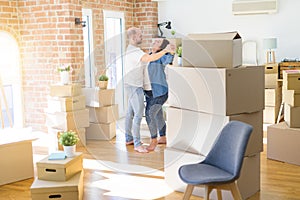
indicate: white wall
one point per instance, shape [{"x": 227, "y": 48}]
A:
[{"x": 204, "y": 16}]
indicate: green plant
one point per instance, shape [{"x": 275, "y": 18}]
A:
[
  {"x": 103, "y": 77},
  {"x": 179, "y": 51},
  {"x": 64, "y": 69},
  {"x": 68, "y": 138},
  {"x": 173, "y": 32}
]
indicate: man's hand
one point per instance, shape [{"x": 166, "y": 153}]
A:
[{"x": 171, "y": 48}]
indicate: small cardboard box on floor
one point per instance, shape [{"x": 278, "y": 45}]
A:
[
  {"x": 283, "y": 143},
  {"x": 212, "y": 50},
  {"x": 68, "y": 190},
  {"x": 96, "y": 97},
  {"x": 70, "y": 90},
  {"x": 217, "y": 91},
  {"x": 248, "y": 183},
  {"x": 66, "y": 104},
  {"x": 59, "y": 170},
  {"x": 101, "y": 131}
]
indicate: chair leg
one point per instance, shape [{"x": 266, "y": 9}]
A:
[
  {"x": 235, "y": 191},
  {"x": 219, "y": 194},
  {"x": 188, "y": 192},
  {"x": 207, "y": 190}
]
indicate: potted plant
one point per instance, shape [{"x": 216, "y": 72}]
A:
[
  {"x": 64, "y": 74},
  {"x": 179, "y": 53},
  {"x": 173, "y": 32},
  {"x": 103, "y": 81},
  {"x": 68, "y": 139}
]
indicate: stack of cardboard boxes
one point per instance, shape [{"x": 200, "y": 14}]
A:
[
  {"x": 66, "y": 111},
  {"x": 273, "y": 93},
  {"x": 205, "y": 94},
  {"x": 103, "y": 113},
  {"x": 59, "y": 179},
  {"x": 284, "y": 138},
  {"x": 291, "y": 97}
]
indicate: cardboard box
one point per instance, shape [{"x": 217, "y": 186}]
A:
[
  {"x": 270, "y": 97},
  {"x": 196, "y": 132},
  {"x": 283, "y": 143},
  {"x": 96, "y": 97},
  {"x": 271, "y": 80},
  {"x": 101, "y": 131},
  {"x": 212, "y": 50},
  {"x": 292, "y": 115},
  {"x": 217, "y": 91},
  {"x": 105, "y": 114},
  {"x": 291, "y": 79},
  {"x": 16, "y": 162},
  {"x": 59, "y": 170},
  {"x": 270, "y": 115},
  {"x": 65, "y": 90},
  {"x": 66, "y": 104},
  {"x": 291, "y": 97},
  {"x": 248, "y": 183},
  {"x": 80, "y": 132},
  {"x": 67, "y": 120},
  {"x": 71, "y": 189},
  {"x": 271, "y": 68}
]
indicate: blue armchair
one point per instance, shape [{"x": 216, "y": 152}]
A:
[{"x": 221, "y": 168}]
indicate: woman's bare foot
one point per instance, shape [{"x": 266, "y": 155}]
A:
[
  {"x": 152, "y": 145},
  {"x": 129, "y": 143},
  {"x": 141, "y": 149},
  {"x": 162, "y": 140}
]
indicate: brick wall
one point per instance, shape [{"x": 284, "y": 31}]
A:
[
  {"x": 48, "y": 38},
  {"x": 9, "y": 17},
  {"x": 146, "y": 17}
]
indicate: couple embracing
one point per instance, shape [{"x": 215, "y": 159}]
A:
[{"x": 145, "y": 77}]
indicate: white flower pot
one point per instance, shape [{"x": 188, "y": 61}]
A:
[
  {"x": 179, "y": 61},
  {"x": 64, "y": 77},
  {"x": 70, "y": 151}
]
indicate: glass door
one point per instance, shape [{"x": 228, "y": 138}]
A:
[{"x": 114, "y": 49}]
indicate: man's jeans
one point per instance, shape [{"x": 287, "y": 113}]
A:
[
  {"x": 134, "y": 114},
  {"x": 154, "y": 114}
]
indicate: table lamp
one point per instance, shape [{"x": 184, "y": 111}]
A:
[
  {"x": 270, "y": 44},
  {"x": 168, "y": 26}
]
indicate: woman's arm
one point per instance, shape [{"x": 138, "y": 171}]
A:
[{"x": 148, "y": 58}]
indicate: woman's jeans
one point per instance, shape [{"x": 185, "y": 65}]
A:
[
  {"x": 134, "y": 114},
  {"x": 154, "y": 114}
]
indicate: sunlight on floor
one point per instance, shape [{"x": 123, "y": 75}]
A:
[
  {"x": 121, "y": 168},
  {"x": 132, "y": 187}
]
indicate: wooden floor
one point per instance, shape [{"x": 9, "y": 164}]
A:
[{"x": 115, "y": 172}]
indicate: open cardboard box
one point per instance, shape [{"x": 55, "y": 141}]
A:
[{"x": 212, "y": 50}]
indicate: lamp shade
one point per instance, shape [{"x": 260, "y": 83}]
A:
[{"x": 270, "y": 43}]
